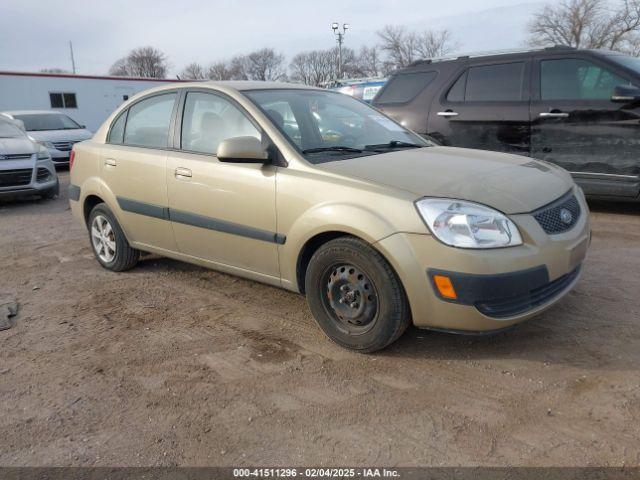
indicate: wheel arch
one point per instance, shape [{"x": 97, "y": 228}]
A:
[{"x": 89, "y": 203}]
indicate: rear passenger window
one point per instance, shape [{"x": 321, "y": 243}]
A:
[
  {"x": 495, "y": 83},
  {"x": 575, "y": 79},
  {"x": 148, "y": 121},
  {"x": 404, "y": 87},
  {"x": 116, "y": 134}
]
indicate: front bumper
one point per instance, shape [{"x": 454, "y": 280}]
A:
[
  {"x": 59, "y": 157},
  {"x": 496, "y": 288},
  {"x": 42, "y": 178}
]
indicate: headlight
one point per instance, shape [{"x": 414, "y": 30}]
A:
[
  {"x": 468, "y": 225},
  {"x": 47, "y": 144},
  {"x": 43, "y": 154}
]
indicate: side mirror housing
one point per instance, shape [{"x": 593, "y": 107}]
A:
[
  {"x": 242, "y": 150},
  {"x": 625, "y": 94}
]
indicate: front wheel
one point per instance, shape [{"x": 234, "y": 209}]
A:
[
  {"x": 108, "y": 242},
  {"x": 355, "y": 296}
]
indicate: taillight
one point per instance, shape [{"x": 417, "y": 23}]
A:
[{"x": 72, "y": 157}]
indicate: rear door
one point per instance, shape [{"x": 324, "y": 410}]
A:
[
  {"x": 577, "y": 126},
  {"x": 135, "y": 165},
  {"x": 485, "y": 106}
]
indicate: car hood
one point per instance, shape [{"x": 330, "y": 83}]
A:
[
  {"x": 75, "y": 135},
  {"x": 509, "y": 183},
  {"x": 11, "y": 146}
]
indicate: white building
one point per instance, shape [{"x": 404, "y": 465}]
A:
[{"x": 87, "y": 99}]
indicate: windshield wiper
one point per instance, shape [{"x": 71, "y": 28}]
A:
[
  {"x": 335, "y": 148},
  {"x": 393, "y": 144}
]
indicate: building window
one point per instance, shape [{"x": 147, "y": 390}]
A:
[{"x": 63, "y": 100}]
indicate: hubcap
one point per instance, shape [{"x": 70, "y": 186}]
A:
[
  {"x": 351, "y": 298},
  {"x": 103, "y": 239}
]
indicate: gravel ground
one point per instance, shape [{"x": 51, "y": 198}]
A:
[{"x": 172, "y": 364}]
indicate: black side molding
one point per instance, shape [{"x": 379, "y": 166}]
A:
[
  {"x": 200, "y": 221},
  {"x": 225, "y": 226},
  {"x": 74, "y": 192},
  {"x": 141, "y": 208}
]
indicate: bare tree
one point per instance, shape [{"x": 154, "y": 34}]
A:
[
  {"x": 193, "y": 71},
  {"x": 613, "y": 25},
  {"x": 369, "y": 61},
  {"x": 399, "y": 46},
  {"x": 402, "y": 47},
  {"x": 435, "y": 43},
  {"x": 141, "y": 62},
  {"x": 265, "y": 64},
  {"x": 219, "y": 71},
  {"x": 313, "y": 67}
]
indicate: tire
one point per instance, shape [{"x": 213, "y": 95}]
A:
[
  {"x": 114, "y": 253},
  {"x": 53, "y": 192},
  {"x": 355, "y": 296}
]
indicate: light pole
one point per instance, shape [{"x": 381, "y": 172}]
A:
[{"x": 335, "y": 26}]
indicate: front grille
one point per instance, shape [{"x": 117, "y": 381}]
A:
[
  {"x": 560, "y": 215},
  {"x": 510, "y": 306},
  {"x": 64, "y": 146},
  {"x": 42, "y": 175},
  {"x": 15, "y": 178},
  {"x": 15, "y": 156}
]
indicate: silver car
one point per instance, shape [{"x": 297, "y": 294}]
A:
[
  {"x": 25, "y": 166},
  {"x": 53, "y": 130}
]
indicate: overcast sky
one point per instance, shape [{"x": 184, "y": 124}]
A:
[{"x": 35, "y": 34}]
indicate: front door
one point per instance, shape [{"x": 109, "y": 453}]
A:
[
  {"x": 575, "y": 124},
  {"x": 486, "y": 107},
  {"x": 221, "y": 212},
  {"x": 134, "y": 167}
]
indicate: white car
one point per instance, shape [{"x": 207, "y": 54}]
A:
[
  {"x": 55, "y": 131},
  {"x": 25, "y": 166}
]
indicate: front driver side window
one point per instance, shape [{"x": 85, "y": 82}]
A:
[
  {"x": 575, "y": 79},
  {"x": 209, "y": 119}
]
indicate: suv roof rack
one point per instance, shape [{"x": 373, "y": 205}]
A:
[{"x": 492, "y": 53}]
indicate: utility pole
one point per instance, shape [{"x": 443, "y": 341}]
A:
[
  {"x": 73, "y": 61},
  {"x": 335, "y": 26}
]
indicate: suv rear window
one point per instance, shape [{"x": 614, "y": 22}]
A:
[
  {"x": 489, "y": 83},
  {"x": 404, "y": 87}
]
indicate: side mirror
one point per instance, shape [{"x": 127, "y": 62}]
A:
[
  {"x": 625, "y": 94},
  {"x": 242, "y": 150}
]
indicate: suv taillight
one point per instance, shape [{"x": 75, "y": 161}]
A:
[{"x": 72, "y": 157}]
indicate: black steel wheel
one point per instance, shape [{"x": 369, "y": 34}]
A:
[{"x": 355, "y": 295}]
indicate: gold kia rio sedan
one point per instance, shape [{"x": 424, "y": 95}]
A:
[{"x": 318, "y": 193}]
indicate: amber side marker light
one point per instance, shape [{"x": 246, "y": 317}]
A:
[{"x": 445, "y": 287}]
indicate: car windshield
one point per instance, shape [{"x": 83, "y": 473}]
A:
[
  {"x": 34, "y": 122},
  {"x": 8, "y": 130},
  {"x": 326, "y": 126},
  {"x": 632, "y": 63}
]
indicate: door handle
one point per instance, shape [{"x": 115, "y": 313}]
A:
[
  {"x": 111, "y": 162},
  {"x": 553, "y": 115},
  {"x": 183, "y": 172},
  {"x": 448, "y": 113}
]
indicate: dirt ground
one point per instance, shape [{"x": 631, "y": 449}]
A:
[{"x": 172, "y": 364}]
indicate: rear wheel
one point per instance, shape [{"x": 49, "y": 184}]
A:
[
  {"x": 355, "y": 296},
  {"x": 108, "y": 242}
]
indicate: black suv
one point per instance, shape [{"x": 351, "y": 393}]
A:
[{"x": 579, "y": 109}]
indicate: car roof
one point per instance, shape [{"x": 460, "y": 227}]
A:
[
  {"x": 507, "y": 55},
  {"x": 259, "y": 85},
  {"x": 28, "y": 112},
  {"x": 237, "y": 85}
]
